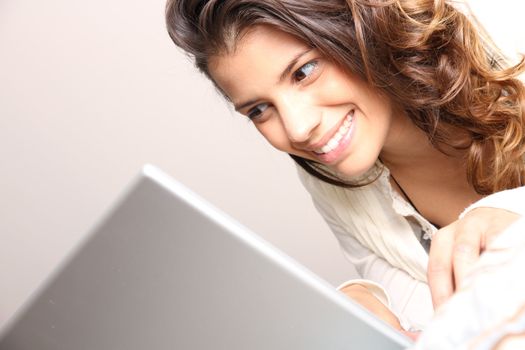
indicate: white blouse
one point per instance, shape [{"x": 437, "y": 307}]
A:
[{"x": 386, "y": 239}]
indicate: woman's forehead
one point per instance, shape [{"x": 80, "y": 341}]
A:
[
  {"x": 260, "y": 54},
  {"x": 254, "y": 41}
]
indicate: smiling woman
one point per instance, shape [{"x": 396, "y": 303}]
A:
[
  {"x": 302, "y": 103},
  {"x": 400, "y": 114}
]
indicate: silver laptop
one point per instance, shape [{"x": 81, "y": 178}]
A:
[{"x": 166, "y": 270}]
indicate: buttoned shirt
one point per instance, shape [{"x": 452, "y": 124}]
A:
[{"x": 386, "y": 239}]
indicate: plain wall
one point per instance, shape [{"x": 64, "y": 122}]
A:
[{"x": 92, "y": 90}]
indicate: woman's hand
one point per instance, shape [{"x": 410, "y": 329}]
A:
[
  {"x": 456, "y": 247},
  {"x": 364, "y": 297}
]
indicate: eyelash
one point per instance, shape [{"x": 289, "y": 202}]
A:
[
  {"x": 256, "y": 112},
  {"x": 314, "y": 65},
  {"x": 251, "y": 112}
]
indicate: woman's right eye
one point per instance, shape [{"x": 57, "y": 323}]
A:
[
  {"x": 257, "y": 111},
  {"x": 305, "y": 71}
]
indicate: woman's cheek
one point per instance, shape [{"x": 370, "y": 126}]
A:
[{"x": 274, "y": 133}]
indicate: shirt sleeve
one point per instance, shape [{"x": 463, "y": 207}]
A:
[
  {"x": 407, "y": 297},
  {"x": 512, "y": 200}
]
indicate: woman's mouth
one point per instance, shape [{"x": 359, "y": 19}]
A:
[{"x": 334, "y": 147}]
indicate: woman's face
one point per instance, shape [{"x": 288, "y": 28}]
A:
[{"x": 302, "y": 103}]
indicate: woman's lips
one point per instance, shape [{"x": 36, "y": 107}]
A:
[{"x": 331, "y": 151}]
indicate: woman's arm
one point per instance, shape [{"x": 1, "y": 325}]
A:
[
  {"x": 363, "y": 292},
  {"x": 408, "y": 298}
]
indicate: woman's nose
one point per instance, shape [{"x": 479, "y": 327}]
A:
[{"x": 299, "y": 118}]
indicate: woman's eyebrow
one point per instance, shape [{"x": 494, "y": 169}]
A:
[
  {"x": 283, "y": 76},
  {"x": 292, "y": 63},
  {"x": 244, "y": 105}
]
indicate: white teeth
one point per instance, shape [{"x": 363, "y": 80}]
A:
[{"x": 334, "y": 141}]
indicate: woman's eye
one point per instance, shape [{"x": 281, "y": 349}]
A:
[
  {"x": 257, "y": 111},
  {"x": 305, "y": 71}
]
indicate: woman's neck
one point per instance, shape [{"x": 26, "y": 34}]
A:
[
  {"x": 434, "y": 180},
  {"x": 407, "y": 146}
]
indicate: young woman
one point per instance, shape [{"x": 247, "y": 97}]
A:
[{"x": 399, "y": 113}]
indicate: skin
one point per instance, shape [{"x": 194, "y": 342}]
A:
[
  {"x": 457, "y": 247},
  {"x": 362, "y": 295},
  {"x": 303, "y": 113},
  {"x": 297, "y": 99}
]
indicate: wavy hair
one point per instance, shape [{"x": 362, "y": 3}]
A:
[{"x": 431, "y": 59}]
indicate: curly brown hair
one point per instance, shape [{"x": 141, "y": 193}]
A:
[{"x": 430, "y": 58}]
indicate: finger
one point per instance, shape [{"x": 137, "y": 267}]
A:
[
  {"x": 467, "y": 249},
  {"x": 439, "y": 273}
]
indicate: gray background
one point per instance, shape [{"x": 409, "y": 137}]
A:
[{"x": 92, "y": 90}]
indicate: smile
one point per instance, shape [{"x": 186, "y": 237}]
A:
[{"x": 338, "y": 137}]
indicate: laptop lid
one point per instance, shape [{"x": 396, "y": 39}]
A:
[{"x": 166, "y": 270}]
